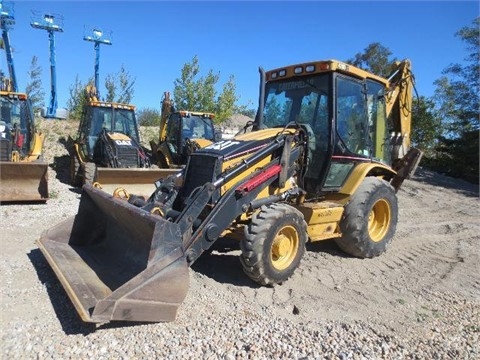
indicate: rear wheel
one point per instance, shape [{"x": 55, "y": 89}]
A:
[
  {"x": 369, "y": 220},
  {"x": 274, "y": 244}
]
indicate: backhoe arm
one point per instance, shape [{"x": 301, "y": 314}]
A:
[
  {"x": 167, "y": 109},
  {"x": 399, "y": 106},
  {"x": 399, "y": 101}
]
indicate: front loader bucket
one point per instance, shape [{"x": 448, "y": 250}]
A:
[
  {"x": 23, "y": 181},
  {"x": 138, "y": 181},
  {"x": 117, "y": 261}
]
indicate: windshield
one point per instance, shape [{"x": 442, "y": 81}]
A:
[
  {"x": 300, "y": 100},
  {"x": 10, "y": 112},
  {"x": 196, "y": 127},
  {"x": 16, "y": 116},
  {"x": 113, "y": 119}
]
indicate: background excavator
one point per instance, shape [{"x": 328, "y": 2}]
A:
[
  {"x": 23, "y": 171},
  {"x": 324, "y": 158},
  {"x": 181, "y": 133},
  {"x": 107, "y": 151}
]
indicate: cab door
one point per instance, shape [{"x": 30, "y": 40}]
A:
[{"x": 351, "y": 140}]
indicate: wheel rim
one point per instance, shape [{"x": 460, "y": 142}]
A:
[
  {"x": 379, "y": 220},
  {"x": 284, "y": 248}
]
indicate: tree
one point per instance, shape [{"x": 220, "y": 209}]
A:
[
  {"x": 426, "y": 125},
  {"x": 457, "y": 103},
  {"x": 119, "y": 87},
  {"x": 148, "y": 117},
  {"x": 78, "y": 98},
  {"x": 34, "y": 88},
  {"x": 375, "y": 59},
  {"x": 226, "y": 100},
  {"x": 244, "y": 110},
  {"x": 195, "y": 93}
]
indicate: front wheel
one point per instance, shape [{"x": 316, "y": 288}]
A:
[
  {"x": 89, "y": 169},
  {"x": 75, "y": 171},
  {"x": 369, "y": 220},
  {"x": 274, "y": 244}
]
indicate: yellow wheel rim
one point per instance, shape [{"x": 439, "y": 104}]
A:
[
  {"x": 379, "y": 220},
  {"x": 284, "y": 248}
]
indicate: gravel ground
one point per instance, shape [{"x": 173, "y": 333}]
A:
[{"x": 420, "y": 300}]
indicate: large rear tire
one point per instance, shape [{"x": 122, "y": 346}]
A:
[
  {"x": 369, "y": 220},
  {"x": 274, "y": 244}
]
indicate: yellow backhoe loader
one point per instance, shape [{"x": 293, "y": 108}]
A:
[
  {"x": 181, "y": 133},
  {"x": 322, "y": 160},
  {"x": 107, "y": 150},
  {"x": 23, "y": 171}
]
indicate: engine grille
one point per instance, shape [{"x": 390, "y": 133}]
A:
[
  {"x": 127, "y": 157},
  {"x": 201, "y": 168}
]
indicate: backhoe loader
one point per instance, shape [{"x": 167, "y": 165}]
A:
[
  {"x": 107, "y": 150},
  {"x": 23, "y": 171},
  {"x": 181, "y": 133},
  {"x": 322, "y": 160}
]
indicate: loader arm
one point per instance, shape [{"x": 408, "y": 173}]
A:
[
  {"x": 120, "y": 260},
  {"x": 238, "y": 199}
]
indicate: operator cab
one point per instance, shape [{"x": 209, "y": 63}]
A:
[
  {"x": 190, "y": 126},
  {"x": 16, "y": 124},
  {"x": 106, "y": 118},
  {"x": 341, "y": 109}
]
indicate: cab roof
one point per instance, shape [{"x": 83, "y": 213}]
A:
[{"x": 321, "y": 66}]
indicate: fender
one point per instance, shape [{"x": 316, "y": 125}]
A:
[{"x": 361, "y": 171}]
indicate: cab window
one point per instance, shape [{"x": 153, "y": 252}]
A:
[
  {"x": 377, "y": 121},
  {"x": 352, "y": 116}
]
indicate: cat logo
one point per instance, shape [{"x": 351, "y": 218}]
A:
[
  {"x": 124, "y": 142},
  {"x": 221, "y": 145}
]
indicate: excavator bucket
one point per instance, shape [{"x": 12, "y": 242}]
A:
[
  {"x": 117, "y": 261},
  {"x": 139, "y": 181},
  {"x": 23, "y": 181}
]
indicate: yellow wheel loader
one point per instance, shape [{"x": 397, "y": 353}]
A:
[
  {"x": 322, "y": 160},
  {"x": 181, "y": 133},
  {"x": 107, "y": 150},
  {"x": 23, "y": 171}
]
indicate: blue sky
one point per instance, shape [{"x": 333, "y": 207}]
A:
[{"x": 154, "y": 39}]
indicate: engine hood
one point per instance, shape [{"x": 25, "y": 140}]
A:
[{"x": 242, "y": 145}]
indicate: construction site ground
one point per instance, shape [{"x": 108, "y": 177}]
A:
[{"x": 421, "y": 297}]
